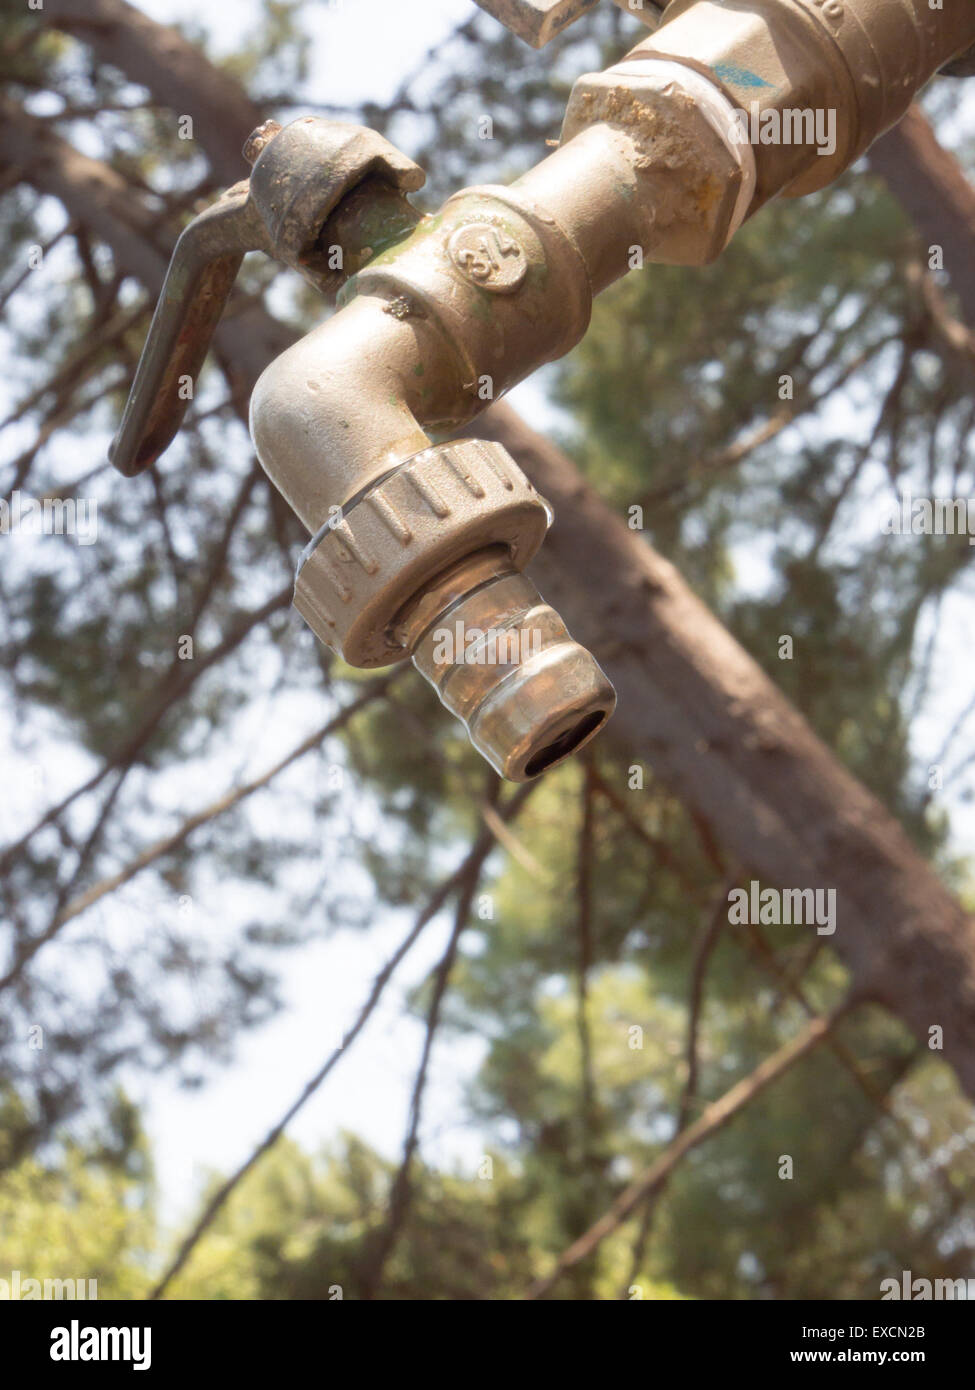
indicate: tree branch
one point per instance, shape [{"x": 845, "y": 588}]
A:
[
  {"x": 473, "y": 862},
  {"x": 714, "y": 1118},
  {"x": 172, "y": 842},
  {"x": 377, "y": 1258},
  {"x": 931, "y": 186}
]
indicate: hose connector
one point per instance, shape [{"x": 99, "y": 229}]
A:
[
  {"x": 426, "y": 562},
  {"x": 502, "y": 660}
]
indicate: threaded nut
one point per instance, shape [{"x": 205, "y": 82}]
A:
[{"x": 367, "y": 563}]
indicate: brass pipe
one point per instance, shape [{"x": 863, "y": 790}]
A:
[{"x": 865, "y": 60}]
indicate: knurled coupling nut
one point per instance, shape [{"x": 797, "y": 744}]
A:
[{"x": 439, "y": 506}]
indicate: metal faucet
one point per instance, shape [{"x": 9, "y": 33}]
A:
[{"x": 417, "y": 548}]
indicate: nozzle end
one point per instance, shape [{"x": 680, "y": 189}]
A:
[
  {"x": 502, "y": 660},
  {"x": 544, "y": 712}
]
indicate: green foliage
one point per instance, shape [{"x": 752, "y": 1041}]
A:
[{"x": 84, "y": 1212}]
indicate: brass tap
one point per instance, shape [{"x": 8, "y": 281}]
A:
[{"x": 418, "y": 548}]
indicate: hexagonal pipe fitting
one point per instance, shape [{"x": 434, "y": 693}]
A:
[{"x": 692, "y": 179}]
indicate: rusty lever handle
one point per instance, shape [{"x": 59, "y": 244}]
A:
[
  {"x": 301, "y": 176},
  {"x": 198, "y": 282}
]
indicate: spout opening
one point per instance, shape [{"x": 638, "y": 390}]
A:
[{"x": 568, "y": 742}]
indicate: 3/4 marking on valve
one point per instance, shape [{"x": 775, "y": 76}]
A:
[{"x": 488, "y": 256}]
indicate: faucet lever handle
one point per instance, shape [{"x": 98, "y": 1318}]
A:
[
  {"x": 300, "y": 177},
  {"x": 198, "y": 283}
]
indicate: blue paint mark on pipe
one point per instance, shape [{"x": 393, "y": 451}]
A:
[{"x": 738, "y": 77}]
